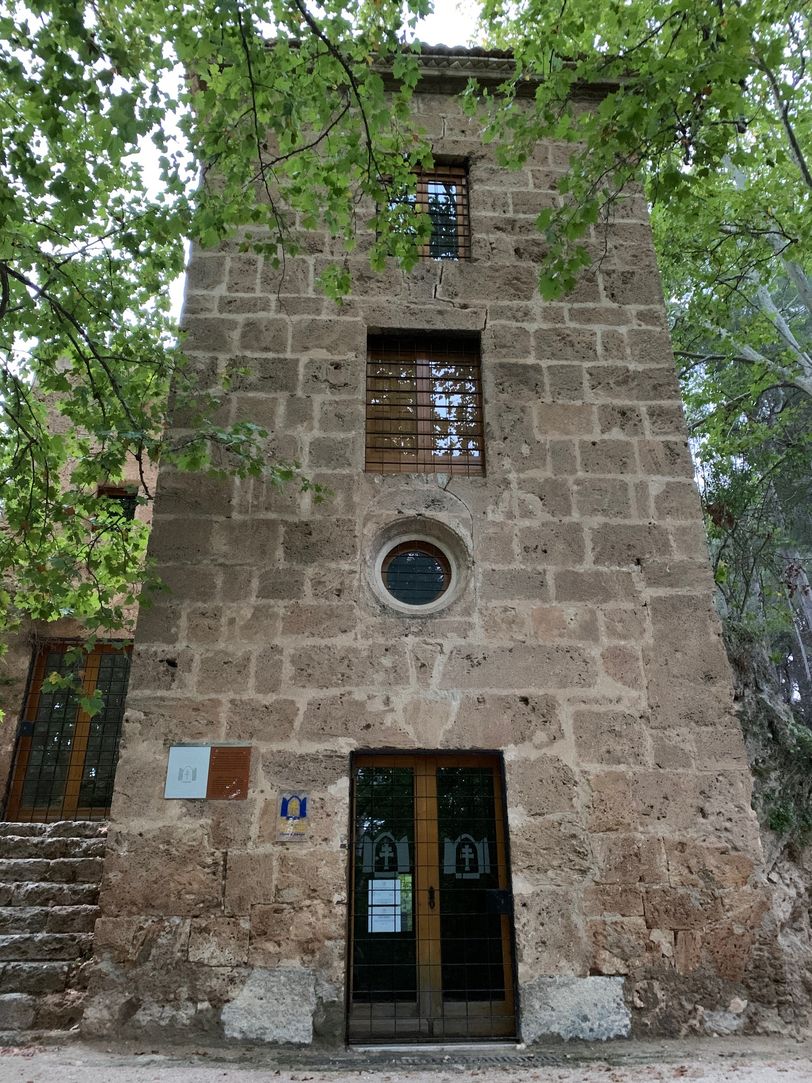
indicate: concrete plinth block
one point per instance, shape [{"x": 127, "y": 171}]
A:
[
  {"x": 273, "y": 1006},
  {"x": 592, "y": 1009}
]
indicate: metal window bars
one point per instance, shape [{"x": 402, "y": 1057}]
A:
[
  {"x": 416, "y": 572},
  {"x": 442, "y": 194},
  {"x": 65, "y": 759},
  {"x": 120, "y": 501},
  {"x": 424, "y": 405}
]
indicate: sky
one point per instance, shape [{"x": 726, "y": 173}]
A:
[{"x": 450, "y": 24}]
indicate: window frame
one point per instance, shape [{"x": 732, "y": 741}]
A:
[
  {"x": 126, "y": 496},
  {"x": 425, "y": 458},
  {"x": 439, "y": 173},
  {"x": 68, "y": 806},
  {"x": 457, "y": 174},
  {"x": 428, "y": 548}
]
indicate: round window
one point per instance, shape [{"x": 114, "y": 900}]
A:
[{"x": 416, "y": 572}]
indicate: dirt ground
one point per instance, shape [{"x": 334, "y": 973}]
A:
[{"x": 734, "y": 1060}]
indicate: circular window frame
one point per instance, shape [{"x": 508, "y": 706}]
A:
[
  {"x": 427, "y": 548},
  {"x": 386, "y": 549}
]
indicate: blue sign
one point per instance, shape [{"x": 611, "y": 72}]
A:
[
  {"x": 292, "y": 819},
  {"x": 293, "y": 806}
]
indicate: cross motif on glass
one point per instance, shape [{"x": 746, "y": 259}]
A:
[
  {"x": 467, "y": 853},
  {"x": 386, "y": 853}
]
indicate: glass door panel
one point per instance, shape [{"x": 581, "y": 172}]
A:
[
  {"x": 470, "y": 928},
  {"x": 475, "y": 904},
  {"x": 385, "y": 956},
  {"x": 431, "y": 917}
]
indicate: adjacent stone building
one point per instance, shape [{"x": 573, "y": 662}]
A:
[
  {"x": 58, "y": 768},
  {"x": 495, "y": 786}
]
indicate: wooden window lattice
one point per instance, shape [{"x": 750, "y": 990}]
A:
[
  {"x": 423, "y": 406},
  {"x": 66, "y": 760}
]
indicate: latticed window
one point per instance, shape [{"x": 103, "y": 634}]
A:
[
  {"x": 442, "y": 193},
  {"x": 66, "y": 760},
  {"x": 424, "y": 405},
  {"x": 120, "y": 502}
]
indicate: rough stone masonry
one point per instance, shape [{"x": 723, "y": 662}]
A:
[{"x": 582, "y": 645}]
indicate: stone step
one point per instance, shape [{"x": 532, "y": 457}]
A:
[
  {"x": 44, "y": 846},
  {"x": 49, "y": 893},
  {"x": 39, "y": 978},
  {"x": 56, "y": 1011},
  {"x": 59, "y": 869},
  {"x": 34, "y": 946},
  {"x": 9, "y": 827},
  {"x": 17, "y": 1011},
  {"x": 49, "y": 888},
  {"x": 50, "y": 919},
  {"x": 48, "y": 976},
  {"x": 78, "y": 829},
  {"x": 35, "y": 1037},
  {"x": 75, "y": 829}
]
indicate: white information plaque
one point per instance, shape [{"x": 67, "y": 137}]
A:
[
  {"x": 187, "y": 773},
  {"x": 383, "y": 906}
]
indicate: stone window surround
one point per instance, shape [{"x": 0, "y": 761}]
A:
[{"x": 434, "y": 534}]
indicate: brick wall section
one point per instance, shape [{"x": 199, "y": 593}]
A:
[{"x": 584, "y": 645}]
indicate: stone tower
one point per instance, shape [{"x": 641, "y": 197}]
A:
[{"x": 494, "y": 784}]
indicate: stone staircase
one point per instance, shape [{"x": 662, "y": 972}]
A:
[{"x": 49, "y": 887}]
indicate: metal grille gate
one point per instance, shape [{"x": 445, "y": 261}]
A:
[{"x": 432, "y": 952}]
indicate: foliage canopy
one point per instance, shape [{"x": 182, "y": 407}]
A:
[{"x": 88, "y": 248}]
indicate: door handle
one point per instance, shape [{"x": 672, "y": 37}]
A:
[{"x": 431, "y": 898}]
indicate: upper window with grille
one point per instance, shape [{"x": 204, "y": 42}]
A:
[
  {"x": 442, "y": 194},
  {"x": 424, "y": 405}
]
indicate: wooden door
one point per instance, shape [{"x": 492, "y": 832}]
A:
[{"x": 431, "y": 924}]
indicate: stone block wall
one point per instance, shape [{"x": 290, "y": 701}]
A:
[{"x": 584, "y": 646}]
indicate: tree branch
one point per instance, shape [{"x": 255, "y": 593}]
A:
[
  {"x": 62, "y": 313},
  {"x": 4, "y": 289},
  {"x": 783, "y": 113}
]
